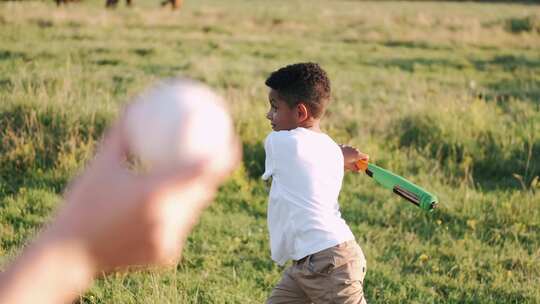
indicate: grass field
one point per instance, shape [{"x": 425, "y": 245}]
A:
[{"x": 446, "y": 94}]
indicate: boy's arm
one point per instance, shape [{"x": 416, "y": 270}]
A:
[
  {"x": 269, "y": 161},
  {"x": 350, "y": 156}
]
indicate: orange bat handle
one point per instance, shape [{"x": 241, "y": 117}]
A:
[{"x": 362, "y": 164}]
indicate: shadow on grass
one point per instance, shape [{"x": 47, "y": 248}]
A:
[
  {"x": 525, "y": 88},
  {"x": 121, "y": 83},
  {"x": 520, "y": 86},
  {"x": 515, "y": 88},
  {"x": 143, "y": 52},
  {"x": 112, "y": 62},
  {"x": 163, "y": 70},
  {"x": 413, "y": 45},
  {"x": 253, "y": 158},
  {"x": 507, "y": 63},
  {"x": 414, "y": 64},
  {"x": 10, "y": 55},
  {"x": 5, "y": 84}
]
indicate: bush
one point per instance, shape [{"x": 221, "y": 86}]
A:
[
  {"x": 526, "y": 24},
  {"x": 43, "y": 146},
  {"x": 482, "y": 147}
]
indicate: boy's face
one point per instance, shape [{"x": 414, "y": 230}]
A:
[{"x": 281, "y": 116}]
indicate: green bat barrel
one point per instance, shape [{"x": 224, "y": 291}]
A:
[{"x": 401, "y": 186}]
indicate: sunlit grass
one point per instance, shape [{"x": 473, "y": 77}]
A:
[{"x": 445, "y": 94}]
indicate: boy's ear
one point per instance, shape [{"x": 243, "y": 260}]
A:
[{"x": 302, "y": 112}]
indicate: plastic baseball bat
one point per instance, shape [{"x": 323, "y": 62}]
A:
[{"x": 399, "y": 185}]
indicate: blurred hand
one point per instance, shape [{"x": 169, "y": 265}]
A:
[
  {"x": 351, "y": 155},
  {"x": 126, "y": 219}
]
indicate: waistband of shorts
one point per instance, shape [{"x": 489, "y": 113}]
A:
[
  {"x": 346, "y": 244},
  {"x": 340, "y": 245}
]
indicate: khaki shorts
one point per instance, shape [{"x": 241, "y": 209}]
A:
[{"x": 333, "y": 275}]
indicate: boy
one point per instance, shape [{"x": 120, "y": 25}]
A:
[{"x": 304, "y": 220}]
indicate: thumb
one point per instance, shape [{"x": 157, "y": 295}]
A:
[{"x": 112, "y": 149}]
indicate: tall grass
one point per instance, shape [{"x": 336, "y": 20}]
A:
[{"x": 445, "y": 94}]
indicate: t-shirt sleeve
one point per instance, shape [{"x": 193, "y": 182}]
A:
[{"x": 269, "y": 161}]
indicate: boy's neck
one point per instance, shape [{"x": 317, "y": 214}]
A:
[{"x": 311, "y": 124}]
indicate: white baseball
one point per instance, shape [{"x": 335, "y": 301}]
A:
[{"x": 176, "y": 121}]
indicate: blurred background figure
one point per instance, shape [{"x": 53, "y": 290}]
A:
[
  {"x": 175, "y": 4},
  {"x": 64, "y": 2}
]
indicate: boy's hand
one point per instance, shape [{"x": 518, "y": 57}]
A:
[{"x": 350, "y": 156}]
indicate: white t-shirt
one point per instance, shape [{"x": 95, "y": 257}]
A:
[{"x": 303, "y": 211}]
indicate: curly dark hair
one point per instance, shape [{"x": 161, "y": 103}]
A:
[{"x": 302, "y": 83}]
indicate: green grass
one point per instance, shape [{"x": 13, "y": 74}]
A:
[{"x": 446, "y": 94}]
